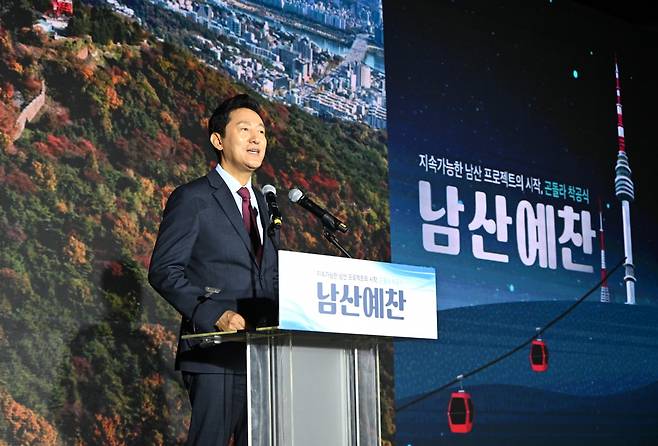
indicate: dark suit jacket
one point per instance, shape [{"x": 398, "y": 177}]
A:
[{"x": 202, "y": 243}]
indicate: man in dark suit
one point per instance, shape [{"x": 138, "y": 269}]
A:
[{"x": 214, "y": 253}]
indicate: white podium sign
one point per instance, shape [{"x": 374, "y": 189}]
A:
[{"x": 340, "y": 295}]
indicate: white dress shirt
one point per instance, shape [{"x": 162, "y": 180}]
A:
[{"x": 234, "y": 185}]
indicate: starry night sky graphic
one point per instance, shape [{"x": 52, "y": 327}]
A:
[
  {"x": 526, "y": 87},
  {"x": 529, "y": 87}
]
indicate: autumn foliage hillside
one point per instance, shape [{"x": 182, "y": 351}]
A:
[{"x": 86, "y": 345}]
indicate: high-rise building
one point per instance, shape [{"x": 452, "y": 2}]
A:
[
  {"x": 376, "y": 117},
  {"x": 304, "y": 48},
  {"x": 364, "y": 79},
  {"x": 274, "y": 3},
  {"x": 204, "y": 14},
  {"x": 234, "y": 25},
  {"x": 350, "y": 79}
]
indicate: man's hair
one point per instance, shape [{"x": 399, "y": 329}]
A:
[{"x": 219, "y": 119}]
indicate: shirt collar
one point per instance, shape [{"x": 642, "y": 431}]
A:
[{"x": 231, "y": 182}]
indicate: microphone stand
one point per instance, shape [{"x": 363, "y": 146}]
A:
[
  {"x": 331, "y": 237},
  {"x": 271, "y": 232}
]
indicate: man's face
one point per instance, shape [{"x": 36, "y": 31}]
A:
[{"x": 243, "y": 144}]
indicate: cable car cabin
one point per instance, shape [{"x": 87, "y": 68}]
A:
[
  {"x": 460, "y": 412},
  {"x": 538, "y": 356},
  {"x": 60, "y": 7}
]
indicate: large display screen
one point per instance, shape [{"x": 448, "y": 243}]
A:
[{"x": 508, "y": 175}]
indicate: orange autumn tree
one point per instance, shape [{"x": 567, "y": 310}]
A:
[{"x": 23, "y": 426}]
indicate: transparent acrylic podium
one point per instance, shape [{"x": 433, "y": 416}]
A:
[
  {"x": 313, "y": 389},
  {"x": 305, "y": 388},
  {"x": 314, "y": 379}
]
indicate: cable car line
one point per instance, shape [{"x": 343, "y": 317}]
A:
[{"x": 515, "y": 349}]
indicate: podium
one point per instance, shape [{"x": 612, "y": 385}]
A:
[{"x": 314, "y": 379}]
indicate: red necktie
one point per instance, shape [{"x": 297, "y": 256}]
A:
[{"x": 250, "y": 223}]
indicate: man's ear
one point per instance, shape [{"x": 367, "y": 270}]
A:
[{"x": 216, "y": 141}]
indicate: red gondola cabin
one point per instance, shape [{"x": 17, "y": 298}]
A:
[
  {"x": 460, "y": 412},
  {"x": 60, "y": 7},
  {"x": 538, "y": 356}
]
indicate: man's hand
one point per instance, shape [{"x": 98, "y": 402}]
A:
[{"x": 230, "y": 321}]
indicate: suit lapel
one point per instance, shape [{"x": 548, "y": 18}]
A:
[
  {"x": 263, "y": 214},
  {"x": 226, "y": 202}
]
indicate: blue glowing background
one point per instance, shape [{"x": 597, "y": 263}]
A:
[
  {"x": 526, "y": 87},
  {"x": 498, "y": 87}
]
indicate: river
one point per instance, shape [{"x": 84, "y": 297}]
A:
[{"x": 374, "y": 59}]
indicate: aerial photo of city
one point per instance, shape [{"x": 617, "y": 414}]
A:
[{"x": 326, "y": 57}]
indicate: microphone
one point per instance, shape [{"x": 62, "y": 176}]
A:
[
  {"x": 270, "y": 197},
  {"x": 328, "y": 220}
]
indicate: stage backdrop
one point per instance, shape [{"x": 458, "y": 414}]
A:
[
  {"x": 505, "y": 174},
  {"x": 103, "y": 112}
]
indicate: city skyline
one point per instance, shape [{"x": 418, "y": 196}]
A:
[{"x": 308, "y": 54}]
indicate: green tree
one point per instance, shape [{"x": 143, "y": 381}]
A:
[
  {"x": 18, "y": 14},
  {"x": 80, "y": 23}
]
